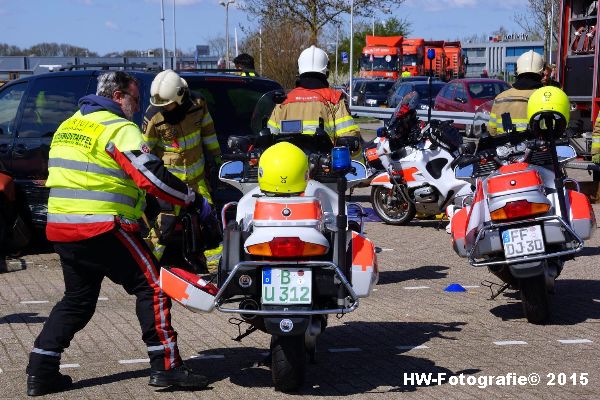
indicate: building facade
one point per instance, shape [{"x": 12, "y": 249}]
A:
[{"x": 498, "y": 59}]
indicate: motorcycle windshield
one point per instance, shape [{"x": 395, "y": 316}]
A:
[
  {"x": 404, "y": 116},
  {"x": 264, "y": 108}
]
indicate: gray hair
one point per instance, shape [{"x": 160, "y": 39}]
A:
[{"x": 110, "y": 82}]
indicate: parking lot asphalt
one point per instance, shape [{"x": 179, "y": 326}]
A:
[{"x": 409, "y": 326}]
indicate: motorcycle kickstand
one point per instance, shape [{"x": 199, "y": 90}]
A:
[
  {"x": 238, "y": 322},
  {"x": 496, "y": 293}
]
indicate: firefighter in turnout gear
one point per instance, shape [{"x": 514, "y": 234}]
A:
[
  {"x": 313, "y": 99},
  {"x": 530, "y": 67},
  {"x": 99, "y": 172},
  {"x": 179, "y": 129}
]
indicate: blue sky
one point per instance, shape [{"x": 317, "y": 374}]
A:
[{"x": 115, "y": 25}]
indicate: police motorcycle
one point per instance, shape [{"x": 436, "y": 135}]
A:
[
  {"x": 417, "y": 163},
  {"x": 522, "y": 222},
  {"x": 289, "y": 259}
]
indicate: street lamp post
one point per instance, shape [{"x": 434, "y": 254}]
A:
[
  {"x": 162, "y": 21},
  {"x": 351, "y": 46},
  {"x": 226, "y": 5},
  {"x": 174, "y": 39}
]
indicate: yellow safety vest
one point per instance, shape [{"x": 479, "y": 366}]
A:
[{"x": 88, "y": 188}]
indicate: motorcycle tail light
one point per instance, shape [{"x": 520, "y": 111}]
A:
[
  {"x": 519, "y": 209},
  {"x": 287, "y": 247}
]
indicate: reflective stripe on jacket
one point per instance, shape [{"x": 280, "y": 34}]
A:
[
  {"x": 99, "y": 171},
  {"x": 181, "y": 146},
  {"x": 596, "y": 137},
  {"x": 514, "y": 102},
  {"x": 309, "y": 105}
]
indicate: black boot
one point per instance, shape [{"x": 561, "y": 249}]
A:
[
  {"x": 39, "y": 386},
  {"x": 180, "y": 376}
]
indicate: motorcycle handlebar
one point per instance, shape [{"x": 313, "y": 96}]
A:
[{"x": 235, "y": 157}]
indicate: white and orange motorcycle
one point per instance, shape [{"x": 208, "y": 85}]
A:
[
  {"x": 418, "y": 174},
  {"x": 522, "y": 223},
  {"x": 288, "y": 261}
]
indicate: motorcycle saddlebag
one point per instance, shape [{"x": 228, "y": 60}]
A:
[
  {"x": 583, "y": 219},
  {"x": 188, "y": 289},
  {"x": 365, "y": 272}
]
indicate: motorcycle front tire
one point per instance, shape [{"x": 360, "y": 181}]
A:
[
  {"x": 377, "y": 195},
  {"x": 288, "y": 362},
  {"x": 534, "y": 297}
]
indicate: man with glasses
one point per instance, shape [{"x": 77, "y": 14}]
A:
[{"x": 99, "y": 172}]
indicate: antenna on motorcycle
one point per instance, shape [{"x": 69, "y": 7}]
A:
[
  {"x": 430, "y": 57},
  {"x": 507, "y": 123},
  {"x": 320, "y": 131}
]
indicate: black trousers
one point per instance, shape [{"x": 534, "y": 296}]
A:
[{"x": 125, "y": 259}]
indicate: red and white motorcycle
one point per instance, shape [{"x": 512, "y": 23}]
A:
[
  {"x": 522, "y": 223},
  {"x": 288, "y": 262},
  {"x": 418, "y": 174}
]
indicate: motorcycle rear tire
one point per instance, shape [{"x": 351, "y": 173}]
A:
[
  {"x": 534, "y": 297},
  {"x": 377, "y": 192},
  {"x": 288, "y": 362}
]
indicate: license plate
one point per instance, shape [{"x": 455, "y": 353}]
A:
[
  {"x": 523, "y": 241},
  {"x": 286, "y": 286}
]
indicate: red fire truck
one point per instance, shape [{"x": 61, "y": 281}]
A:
[
  {"x": 455, "y": 59},
  {"x": 578, "y": 64},
  {"x": 440, "y": 63},
  {"x": 381, "y": 57},
  {"x": 413, "y": 51}
]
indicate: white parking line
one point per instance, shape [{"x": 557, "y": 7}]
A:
[
  {"x": 574, "y": 341},
  {"x": 69, "y": 366},
  {"x": 415, "y": 287},
  {"x": 135, "y": 361},
  {"x": 387, "y": 249},
  {"x": 102, "y": 298},
  {"x": 509, "y": 342},
  {"x": 421, "y": 346},
  {"x": 208, "y": 356},
  {"x": 471, "y": 287},
  {"x": 344, "y": 350},
  {"x": 34, "y": 302}
]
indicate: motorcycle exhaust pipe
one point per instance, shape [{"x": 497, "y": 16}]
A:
[{"x": 248, "y": 304}]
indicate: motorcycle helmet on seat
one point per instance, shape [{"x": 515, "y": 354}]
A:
[
  {"x": 548, "y": 104},
  {"x": 283, "y": 170}
]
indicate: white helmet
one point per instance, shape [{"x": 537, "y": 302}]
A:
[
  {"x": 313, "y": 59},
  {"x": 167, "y": 87},
  {"x": 530, "y": 62}
]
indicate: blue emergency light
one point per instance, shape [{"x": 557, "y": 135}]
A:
[
  {"x": 340, "y": 159},
  {"x": 430, "y": 54}
]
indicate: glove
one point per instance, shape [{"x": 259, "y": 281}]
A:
[
  {"x": 596, "y": 158},
  {"x": 202, "y": 206}
]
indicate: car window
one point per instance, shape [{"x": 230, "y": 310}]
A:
[
  {"x": 49, "y": 102},
  {"x": 10, "y": 98},
  {"x": 449, "y": 92},
  {"x": 378, "y": 86},
  {"x": 486, "y": 90},
  {"x": 423, "y": 90},
  {"x": 460, "y": 92},
  {"x": 144, "y": 89}
]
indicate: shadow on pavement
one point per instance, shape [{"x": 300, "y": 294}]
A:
[
  {"x": 589, "y": 252},
  {"x": 380, "y": 365},
  {"x": 574, "y": 301},
  {"x": 23, "y": 318},
  {"x": 425, "y": 272},
  {"x": 117, "y": 377}
]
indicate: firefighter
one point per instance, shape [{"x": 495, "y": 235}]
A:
[
  {"x": 530, "y": 67},
  {"x": 405, "y": 73},
  {"x": 312, "y": 98},
  {"x": 595, "y": 150},
  {"x": 245, "y": 63},
  {"x": 99, "y": 172},
  {"x": 178, "y": 128}
]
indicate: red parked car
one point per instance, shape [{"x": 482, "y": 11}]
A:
[{"x": 467, "y": 94}]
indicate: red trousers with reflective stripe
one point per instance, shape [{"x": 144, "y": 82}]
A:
[{"x": 125, "y": 259}]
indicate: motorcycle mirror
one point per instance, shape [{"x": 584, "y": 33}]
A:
[
  {"x": 239, "y": 144},
  {"x": 320, "y": 131},
  {"x": 351, "y": 142},
  {"x": 279, "y": 97},
  {"x": 382, "y": 132}
]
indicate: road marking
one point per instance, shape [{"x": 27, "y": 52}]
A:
[
  {"x": 102, "y": 298},
  {"x": 344, "y": 350},
  {"x": 208, "y": 356},
  {"x": 415, "y": 287},
  {"x": 69, "y": 366},
  {"x": 509, "y": 342},
  {"x": 471, "y": 287},
  {"x": 135, "y": 361},
  {"x": 1, "y": 370},
  {"x": 34, "y": 302},
  {"x": 421, "y": 346},
  {"x": 574, "y": 341},
  {"x": 387, "y": 249}
]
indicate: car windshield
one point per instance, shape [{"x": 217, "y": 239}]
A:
[
  {"x": 423, "y": 90},
  {"x": 486, "y": 90},
  {"x": 378, "y": 86},
  {"x": 383, "y": 63},
  {"x": 409, "y": 59}
]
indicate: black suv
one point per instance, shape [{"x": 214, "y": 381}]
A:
[{"x": 31, "y": 109}]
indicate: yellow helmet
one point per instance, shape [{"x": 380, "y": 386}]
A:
[
  {"x": 283, "y": 169},
  {"x": 548, "y": 100}
]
